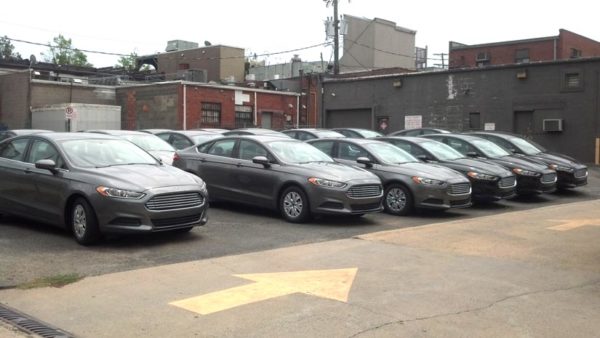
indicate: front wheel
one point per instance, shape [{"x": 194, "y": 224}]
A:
[
  {"x": 397, "y": 200},
  {"x": 294, "y": 205},
  {"x": 83, "y": 222}
]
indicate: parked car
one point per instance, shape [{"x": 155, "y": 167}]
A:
[
  {"x": 16, "y": 132},
  {"x": 255, "y": 131},
  {"x": 490, "y": 181},
  {"x": 181, "y": 139},
  {"x": 150, "y": 143},
  {"x": 95, "y": 184},
  {"x": 532, "y": 177},
  {"x": 304, "y": 134},
  {"x": 214, "y": 130},
  {"x": 407, "y": 182},
  {"x": 357, "y": 132},
  {"x": 282, "y": 174},
  {"x": 571, "y": 173},
  {"x": 418, "y": 132}
]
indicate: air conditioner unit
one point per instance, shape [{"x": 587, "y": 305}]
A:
[{"x": 551, "y": 125}]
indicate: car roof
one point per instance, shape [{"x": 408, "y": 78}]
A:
[
  {"x": 117, "y": 132},
  {"x": 61, "y": 136},
  {"x": 154, "y": 131},
  {"x": 501, "y": 134},
  {"x": 190, "y": 132},
  {"x": 260, "y": 138},
  {"x": 458, "y": 136},
  {"x": 412, "y": 139}
]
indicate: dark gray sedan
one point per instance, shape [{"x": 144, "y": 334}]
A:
[
  {"x": 408, "y": 183},
  {"x": 94, "y": 184},
  {"x": 282, "y": 174}
]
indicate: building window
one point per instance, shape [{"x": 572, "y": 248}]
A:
[
  {"x": 522, "y": 56},
  {"x": 474, "y": 121},
  {"x": 211, "y": 114},
  {"x": 576, "y": 53},
  {"x": 482, "y": 59},
  {"x": 243, "y": 116}
]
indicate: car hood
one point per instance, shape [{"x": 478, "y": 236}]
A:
[
  {"x": 481, "y": 165},
  {"x": 140, "y": 177},
  {"x": 513, "y": 161},
  {"x": 559, "y": 159},
  {"x": 427, "y": 170},
  {"x": 335, "y": 171}
]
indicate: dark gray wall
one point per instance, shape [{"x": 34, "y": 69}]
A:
[
  {"x": 445, "y": 100},
  {"x": 14, "y": 110}
]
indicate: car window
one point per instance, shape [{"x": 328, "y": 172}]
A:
[
  {"x": 415, "y": 132},
  {"x": 303, "y": 136},
  {"x": 409, "y": 148},
  {"x": 42, "y": 150},
  {"x": 14, "y": 150},
  {"x": 249, "y": 150},
  {"x": 180, "y": 142},
  {"x": 499, "y": 141},
  {"x": 324, "y": 146},
  {"x": 165, "y": 137},
  {"x": 222, "y": 148},
  {"x": 346, "y": 133},
  {"x": 347, "y": 151}
]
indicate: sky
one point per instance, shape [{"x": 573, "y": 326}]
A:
[{"x": 268, "y": 27}]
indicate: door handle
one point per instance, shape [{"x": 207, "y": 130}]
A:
[
  {"x": 239, "y": 164},
  {"x": 28, "y": 171}
]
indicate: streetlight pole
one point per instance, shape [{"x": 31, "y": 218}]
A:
[{"x": 336, "y": 39}]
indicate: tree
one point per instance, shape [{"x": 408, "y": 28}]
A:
[
  {"x": 61, "y": 52},
  {"x": 7, "y": 49},
  {"x": 128, "y": 62}
]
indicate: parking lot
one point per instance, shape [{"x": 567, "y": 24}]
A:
[
  {"x": 29, "y": 251},
  {"x": 523, "y": 268}
]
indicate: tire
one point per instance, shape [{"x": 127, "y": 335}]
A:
[
  {"x": 398, "y": 200},
  {"x": 294, "y": 205},
  {"x": 83, "y": 222}
]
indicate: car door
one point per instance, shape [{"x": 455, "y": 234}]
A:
[
  {"x": 256, "y": 184},
  {"x": 16, "y": 187},
  {"x": 50, "y": 189},
  {"x": 217, "y": 168}
]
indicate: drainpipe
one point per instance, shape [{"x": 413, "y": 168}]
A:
[
  {"x": 255, "y": 109},
  {"x": 555, "y": 47},
  {"x": 298, "y": 111},
  {"x": 184, "y": 107}
]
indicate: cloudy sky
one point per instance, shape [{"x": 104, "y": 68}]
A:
[{"x": 267, "y": 27}]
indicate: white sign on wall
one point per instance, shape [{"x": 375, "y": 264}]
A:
[
  {"x": 489, "y": 126},
  {"x": 413, "y": 121}
]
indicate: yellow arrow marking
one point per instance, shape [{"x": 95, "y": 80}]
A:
[
  {"x": 573, "y": 224},
  {"x": 332, "y": 284}
]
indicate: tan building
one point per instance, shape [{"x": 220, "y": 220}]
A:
[{"x": 376, "y": 43}]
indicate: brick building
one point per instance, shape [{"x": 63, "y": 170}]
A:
[
  {"x": 566, "y": 45},
  {"x": 188, "y": 105}
]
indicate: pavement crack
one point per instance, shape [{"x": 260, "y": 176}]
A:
[{"x": 476, "y": 309}]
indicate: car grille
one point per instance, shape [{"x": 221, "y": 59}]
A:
[
  {"x": 175, "y": 201},
  {"x": 507, "y": 182},
  {"x": 461, "y": 203},
  {"x": 175, "y": 221},
  {"x": 365, "y": 191},
  {"x": 459, "y": 189},
  {"x": 365, "y": 207},
  {"x": 549, "y": 178},
  {"x": 579, "y": 173}
]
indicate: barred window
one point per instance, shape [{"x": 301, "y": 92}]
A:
[
  {"x": 243, "y": 116},
  {"x": 211, "y": 114}
]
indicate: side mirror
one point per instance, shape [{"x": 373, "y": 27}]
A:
[
  {"x": 261, "y": 160},
  {"x": 471, "y": 154},
  {"x": 365, "y": 160},
  {"x": 46, "y": 164},
  {"x": 423, "y": 157}
]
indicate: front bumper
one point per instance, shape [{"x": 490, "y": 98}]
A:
[
  {"x": 180, "y": 207},
  {"x": 528, "y": 185},
  {"x": 443, "y": 197},
  {"x": 496, "y": 190},
  {"x": 569, "y": 180},
  {"x": 359, "y": 197}
]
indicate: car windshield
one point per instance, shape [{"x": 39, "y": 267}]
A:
[
  {"x": 297, "y": 152},
  {"x": 441, "y": 151},
  {"x": 105, "y": 153},
  {"x": 390, "y": 153},
  {"x": 149, "y": 142},
  {"x": 204, "y": 137},
  {"x": 527, "y": 147},
  {"x": 490, "y": 149}
]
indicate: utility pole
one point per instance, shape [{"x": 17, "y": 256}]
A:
[
  {"x": 336, "y": 36},
  {"x": 443, "y": 55}
]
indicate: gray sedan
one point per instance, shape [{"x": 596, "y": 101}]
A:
[
  {"x": 408, "y": 183},
  {"x": 282, "y": 174},
  {"x": 94, "y": 184}
]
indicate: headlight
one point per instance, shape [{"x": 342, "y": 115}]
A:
[
  {"x": 524, "y": 172},
  {"x": 326, "y": 183},
  {"x": 480, "y": 176},
  {"x": 200, "y": 182},
  {"x": 427, "y": 181},
  {"x": 119, "y": 193},
  {"x": 561, "y": 168}
]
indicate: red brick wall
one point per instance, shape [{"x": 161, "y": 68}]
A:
[
  {"x": 502, "y": 54},
  {"x": 569, "y": 40}
]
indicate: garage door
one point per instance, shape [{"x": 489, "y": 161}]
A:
[{"x": 355, "y": 118}]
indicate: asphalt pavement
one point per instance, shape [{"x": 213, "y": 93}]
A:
[{"x": 530, "y": 273}]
